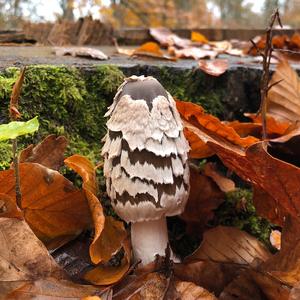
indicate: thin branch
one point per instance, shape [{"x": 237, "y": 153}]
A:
[
  {"x": 17, "y": 172},
  {"x": 265, "y": 79}
]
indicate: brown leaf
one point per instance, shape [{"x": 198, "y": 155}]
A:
[
  {"x": 294, "y": 42},
  {"x": 284, "y": 97},
  {"x": 225, "y": 184},
  {"x": 243, "y": 287},
  {"x": 190, "y": 291},
  {"x": 215, "y": 67},
  {"x": 166, "y": 38},
  {"x": 246, "y": 129},
  {"x": 229, "y": 245},
  {"x": 258, "y": 166},
  {"x": 15, "y": 95},
  {"x": 267, "y": 207},
  {"x": 144, "y": 287},
  {"x": 192, "y": 52},
  {"x": 52, "y": 206},
  {"x": 210, "y": 275},
  {"x": 205, "y": 196},
  {"x": 81, "y": 52},
  {"x": 8, "y": 207},
  {"x": 274, "y": 126},
  {"x": 208, "y": 127},
  {"x": 22, "y": 255},
  {"x": 49, "y": 152},
  {"x": 151, "y": 49},
  {"x": 109, "y": 233},
  {"x": 275, "y": 239},
  {"x": 105, "y": 274},
  {"x": 199, "y": 149}
]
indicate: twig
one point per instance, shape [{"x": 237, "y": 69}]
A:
[
  {"x": 265, "y": 79},
  {"x": 17, "y": 172},
  {"x": 14, "y": 115}
]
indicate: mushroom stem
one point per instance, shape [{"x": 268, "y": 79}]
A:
[{"x": 149, "y": 238}]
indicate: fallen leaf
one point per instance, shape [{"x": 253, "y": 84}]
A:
[
  {"x": 205, "y": 196},
  {"x": 294, "y": 42},
  {"x": 81, "y": 52},
  {"x": 49, "y": 152},
  {"x": 225, "y": 184},
  {"x": 151, "y": 49},
  {"x": 192, "y": 52},
  {"x": 17, "y": 128},
  {"x": 166, "y": 38},
  {"x": 243, "y": 287},
  {"x": 215, "y": 67},
  {"x": 199, "y": 149},
  {"x": 245, "y": 129},
  {"x": 284, "y": 97},
  {"x": 105, "y": 274},
  {"x": 208, "y": 127},
  {"x": 213, "y": 276},
  {"x": 274, "y": 126},
  {"x": 229, "y": 245},
  {"x": 198, "y": 37},
  {"x": 15, "y": 95},
  {"x": 256, "y": 165},
  {"x": 109, "y": 233},
  {"x": 144, "y": 287},
  {"x": 51, "y": 205},
  {"x": 22, "y": 256},
  {"x": 190, "y": 291}
]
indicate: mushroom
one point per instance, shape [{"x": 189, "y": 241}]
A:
[{"x": 145, "y": 163}]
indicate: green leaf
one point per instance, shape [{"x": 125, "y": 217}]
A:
[{"x": 16, "y": 128}]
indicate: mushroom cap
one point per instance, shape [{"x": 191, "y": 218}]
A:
[{"x": 145, "y": 152}]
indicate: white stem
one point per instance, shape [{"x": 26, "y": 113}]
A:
[{"x": 148, "y": 239}]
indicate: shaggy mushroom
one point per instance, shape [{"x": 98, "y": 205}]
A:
[{"x": 146, "y": 168}]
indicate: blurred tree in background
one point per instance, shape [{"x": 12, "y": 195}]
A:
[{"x": 151, "y": 13}]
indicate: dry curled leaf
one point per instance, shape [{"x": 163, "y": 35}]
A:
[
  {"x": 8, "y": 207},
  {"x": 190, "y": 291},
  {"x": 49, "y": 152},
  {"x": 109, "y": 233},
  {"x": 193, "y": 53},
  {"x": 215, "y": 67},
  {"x": 51, "y": 204}
]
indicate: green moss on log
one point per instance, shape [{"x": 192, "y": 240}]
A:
[{"x": 67, "y": 100}]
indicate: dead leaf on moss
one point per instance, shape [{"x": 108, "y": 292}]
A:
[
  {"x": 49, "y": 152},
  {"x": 190, "y": 291},
  {"x": 109, "y": 233},
  {"x": 51, "y": 204},
  {"x": 215, "y": 67}
]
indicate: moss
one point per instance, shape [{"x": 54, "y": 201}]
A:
[
  {"x": 5, "y": 155},
  {"x": 68, "y": 101},
  {"x": 238, "y": 210},
  {"x": 194, "y": 86}
]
